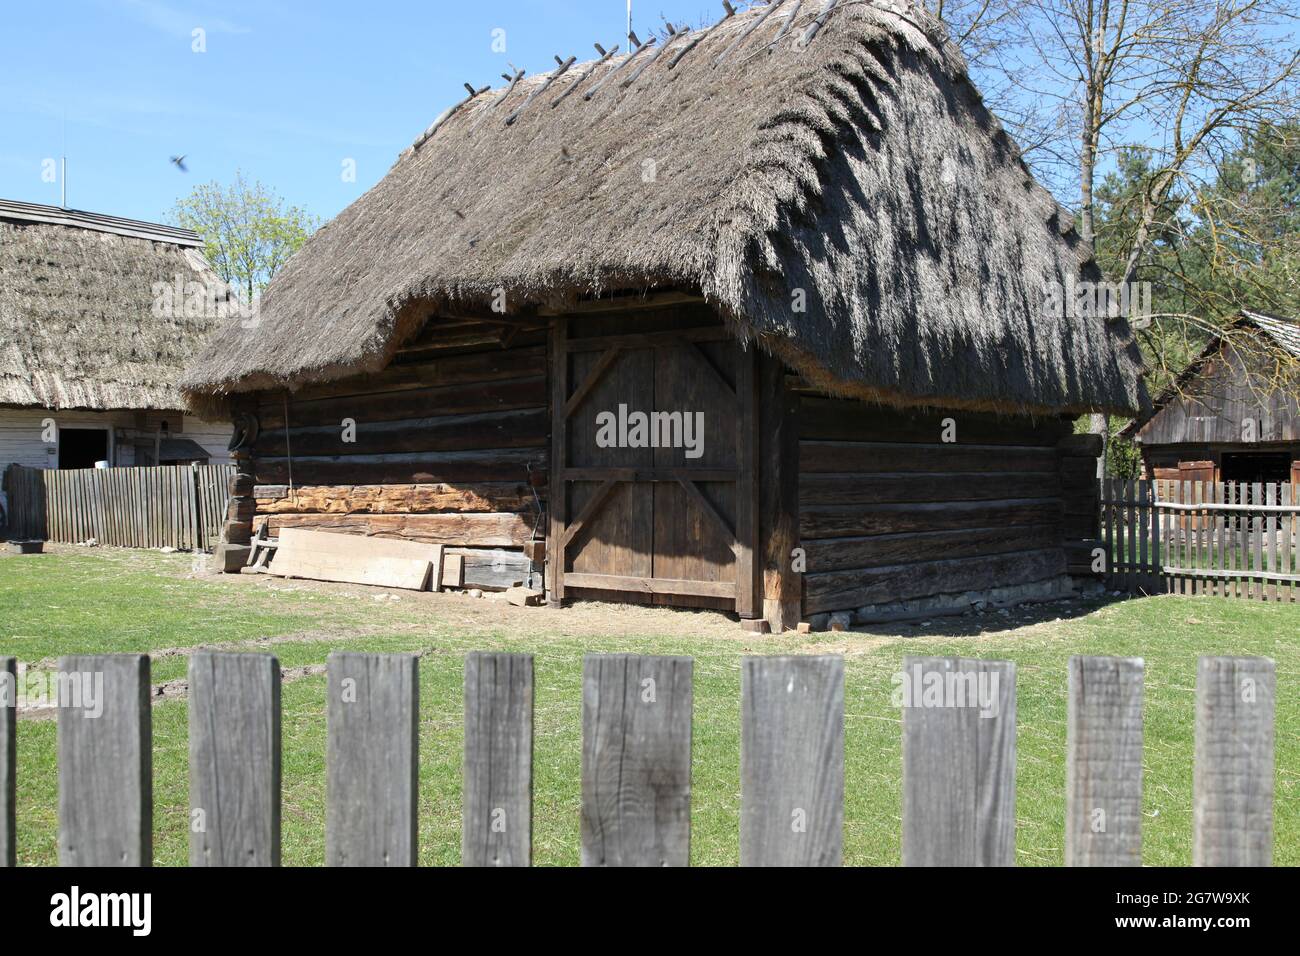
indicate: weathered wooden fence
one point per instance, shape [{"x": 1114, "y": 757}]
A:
[
  {"x": 959, "y": 761},
  {"x": 1193, "y": 537},
  {"x": 178, "y": 506}
]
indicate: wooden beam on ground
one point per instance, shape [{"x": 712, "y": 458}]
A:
[{"x": 636, "y": 760}]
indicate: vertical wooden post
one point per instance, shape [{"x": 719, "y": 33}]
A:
[
  {"x": 778, "y": 478},
  {"x": 497, "y": 809},
  {"x": 1232, "y": 783},
  {"x": 636, "y": 760},
  {"x": 558, "y": 502},
  {"x": 105, "y": 761},
  {"x": 234, "y": 760},
  {"x": 8, "y": 761},
  {"x": 959, "y": 762},
  {"x": 748, "y": 563},
  {"x": 372, "y": 774},
  {"x": 792, "y": 761},
  {"x": 1103, "y": 762}
]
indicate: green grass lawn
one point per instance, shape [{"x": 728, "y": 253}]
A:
[{"x": 109, "y": 600}]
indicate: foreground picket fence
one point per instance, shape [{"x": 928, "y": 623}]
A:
[{"x": 959, "y": 766}]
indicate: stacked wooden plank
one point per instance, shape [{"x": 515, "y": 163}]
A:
[{"x": 357, "y": 559}]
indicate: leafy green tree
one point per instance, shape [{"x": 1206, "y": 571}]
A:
[{"x": 248, "y": 231}]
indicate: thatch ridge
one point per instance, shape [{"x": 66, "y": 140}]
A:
[
  {"x": 77, "y": 322},
  {"x": 863, "y": 169}
]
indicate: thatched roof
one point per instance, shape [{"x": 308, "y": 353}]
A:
[
  {"x": 77, "y": 323},
  {"x": 861, "y": 168}
]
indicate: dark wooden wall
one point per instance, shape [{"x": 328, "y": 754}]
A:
[
  {"x": 1230, "y": 387},
  {"x": 445, "y": 439},
  {"x": 890, "y": 512}
]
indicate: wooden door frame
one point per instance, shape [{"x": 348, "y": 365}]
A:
[{"x": 745, "y": 588}]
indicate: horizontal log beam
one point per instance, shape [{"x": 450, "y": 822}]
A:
[
  {"x": 843, "y": 554},
  {"x": 509, "y": 429},
  {"x": 465, "y": 530},
  {"x": 648, "y": 340},
  {"x": 617, "y": 582},
  {"x": 495, "y": 496},
  {"x": 882, "y": 488},
  {"x": 598, "y": 473},
  {"x": 846, "y": 590},
  {"x": 626, "y": 303},
  {"x": 853, "y": 521},
  {"x": 416, "y": 403},
  {"x": 832, "y": 419},
  {"x": 508, "y": 464},
  {"x": 844, "y": 456}
]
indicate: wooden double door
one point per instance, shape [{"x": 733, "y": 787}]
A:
[{"x": 654, "y": 460}]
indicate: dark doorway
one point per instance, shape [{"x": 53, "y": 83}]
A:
[
  {"x": 82, "y": 447},
  {"x": 1255, "y": 467}
]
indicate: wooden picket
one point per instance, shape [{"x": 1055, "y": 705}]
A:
[
  {"x": 792, "y": 761},
  {"x": 497, "y": 804},
  {"x": 959, "y": 761},
  {"x": 636, "y": 760},
  {"x": 177, "y": 506},
  {"x": 1205, "y": 538},
  {"x": 8, "y": 761},
  {"x": 372, "y": 800}
]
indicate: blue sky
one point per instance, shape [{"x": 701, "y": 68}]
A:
[{"x": 287, "y": 90}]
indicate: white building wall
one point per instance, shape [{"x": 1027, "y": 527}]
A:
[{"x": 22, "y": 433}]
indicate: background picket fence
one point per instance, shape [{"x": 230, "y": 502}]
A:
[
  {"x": 178, "y": 506},
  {"x": 1202, "y": 537},
  {"x": 959, "y": 768}
]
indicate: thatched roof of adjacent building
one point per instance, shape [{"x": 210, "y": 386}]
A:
[
  {"x": 859, "y": 170},
  {"x": 77, "y": 322}
]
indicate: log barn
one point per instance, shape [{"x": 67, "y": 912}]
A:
[
  {"x": 798, "y": 234},
  {"x": 1233, "y": 415}
]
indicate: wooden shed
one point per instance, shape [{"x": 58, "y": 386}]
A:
[
  {"x": 751, "y": 319},
  {"x": 88, "y": 362},
  {"x": 1233, "y": 415}
]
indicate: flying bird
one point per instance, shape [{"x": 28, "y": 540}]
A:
[{"x": 179, "y": 163}]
